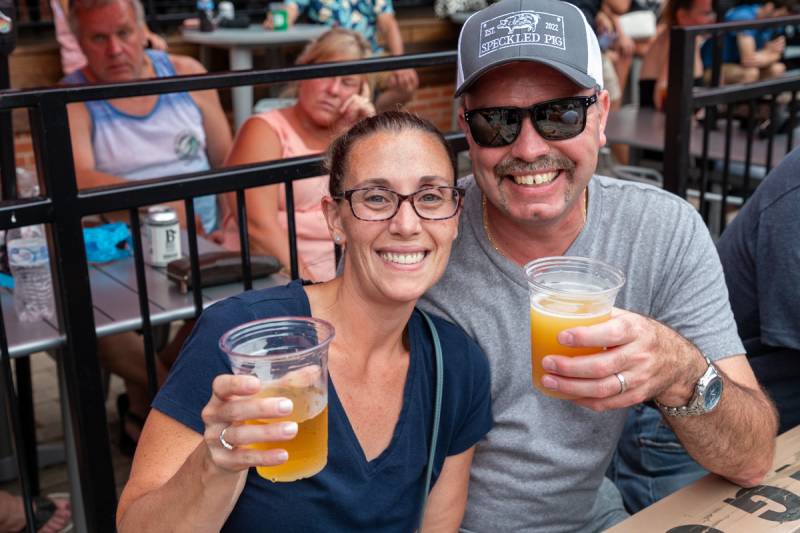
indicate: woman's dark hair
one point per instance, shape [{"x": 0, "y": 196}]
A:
[{"x": 391, "y": 121}]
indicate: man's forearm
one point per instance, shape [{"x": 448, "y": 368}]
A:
[{"x": 736, "y": 440}]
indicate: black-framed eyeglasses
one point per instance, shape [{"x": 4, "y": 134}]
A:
[
  {"x": 374, "y": 204},
  {"x": 554, "y": 120}
]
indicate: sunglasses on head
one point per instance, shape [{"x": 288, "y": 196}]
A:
[{"x": 554, "y": 120}]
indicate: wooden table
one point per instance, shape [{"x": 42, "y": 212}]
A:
[
  {"x": 715, "y": 505},
  {"x": 240, "y": 43}
]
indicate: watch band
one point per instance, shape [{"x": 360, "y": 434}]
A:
[
  {"x": 683, "y": 410},
  {"x": 695, "y": 406}
]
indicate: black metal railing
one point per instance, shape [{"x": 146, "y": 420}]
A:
[
  {"x": 160, "y": 14},
  {"x": 62, "y": 208},
  {"x": 691, "y": 165}
]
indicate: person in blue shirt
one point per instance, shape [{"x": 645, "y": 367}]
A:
[
  {"x": 395, "y": 208},
  {"x": 753, "y": 54},
  {"x": 759, "y": 252},
  {"x": 370, "y": 18}
]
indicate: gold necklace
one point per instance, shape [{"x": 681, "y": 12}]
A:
[{"x": 489, "y": 232}]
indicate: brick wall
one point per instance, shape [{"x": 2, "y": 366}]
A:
[
  {"x": 24, "y": 151},
  {"x": 435, "y": 103}
]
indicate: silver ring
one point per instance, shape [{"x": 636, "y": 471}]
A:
[
  {"x": 623, "y": 385},
  {"x": 227, "y": 445}
]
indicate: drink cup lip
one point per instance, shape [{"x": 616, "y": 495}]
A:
[
  {"x": 326, "y": 326},
  {"x": 587, "y": 264}
]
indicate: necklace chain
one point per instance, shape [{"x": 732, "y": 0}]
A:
[{"x": 489, "y": 232}]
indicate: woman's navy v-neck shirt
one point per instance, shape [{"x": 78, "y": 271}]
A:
[{"x": 350, "y": 493}]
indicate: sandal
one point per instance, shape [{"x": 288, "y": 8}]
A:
[
  {"x": 43, "y": 510},
  {"x": 127, "y": 444}
]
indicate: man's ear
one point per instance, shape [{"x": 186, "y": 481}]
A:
[
  {"x": 603, "y": 105},
  {"x": 143, "y": 34},
  {"x": 462, "y": 123}
]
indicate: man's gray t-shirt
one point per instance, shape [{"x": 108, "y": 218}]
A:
[{"x": 540, "y": 467}]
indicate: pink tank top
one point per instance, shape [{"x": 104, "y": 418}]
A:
[
  {"x": 72, "y": 57},
  {"x": 314, "y": 244}
]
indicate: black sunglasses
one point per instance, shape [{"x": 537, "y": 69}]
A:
[{"x": 554, "y": 120}]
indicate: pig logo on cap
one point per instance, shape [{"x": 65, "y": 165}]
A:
[
  {"x": 521, "y": 28},
  {"x": 519, "y": 21}
]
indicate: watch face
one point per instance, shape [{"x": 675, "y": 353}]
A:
[{"x": 712, "y": 394}]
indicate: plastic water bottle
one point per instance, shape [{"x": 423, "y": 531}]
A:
[
  {"x": 29, "y": 262},
  {"x": 30, "y": 266}
]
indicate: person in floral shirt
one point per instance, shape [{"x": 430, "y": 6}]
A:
[{"x": 370, "y": 18}]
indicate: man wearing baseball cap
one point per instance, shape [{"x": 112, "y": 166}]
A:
[{"x": 534, "y": 111}]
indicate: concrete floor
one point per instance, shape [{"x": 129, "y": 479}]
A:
[{"x": 49, "y": 428}]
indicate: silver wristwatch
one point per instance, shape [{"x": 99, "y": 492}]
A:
[{"x": 707, "y": 394}]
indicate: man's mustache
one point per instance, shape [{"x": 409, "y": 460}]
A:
[{"x": 518, "y": 166}]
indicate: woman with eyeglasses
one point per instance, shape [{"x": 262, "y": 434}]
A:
[{"x": 394, "y": 207}]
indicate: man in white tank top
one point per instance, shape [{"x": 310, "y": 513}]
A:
[
  {"x": 119, "y": 140},
  {"x": 116, "y": 141}
]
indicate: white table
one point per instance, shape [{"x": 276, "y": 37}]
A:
[{"x": 240, "y": 43}]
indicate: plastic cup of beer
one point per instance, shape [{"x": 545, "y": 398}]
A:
[
  {"x": 289, "y": 355},
  {"x": 566, "y": 292}
]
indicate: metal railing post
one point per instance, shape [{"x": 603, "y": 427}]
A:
[
  {"x": 84, "y": 386},
  {"x": 678, "y": 111}
]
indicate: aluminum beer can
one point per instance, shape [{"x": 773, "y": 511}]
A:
[{"x": 163, "y": 235}]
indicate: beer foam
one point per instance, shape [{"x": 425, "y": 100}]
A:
[
  {"x": 568, "y": 307},
  {"x": 309, "y": 400}
]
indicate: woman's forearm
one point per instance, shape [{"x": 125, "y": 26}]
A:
[{"x": 197, "y": 499}]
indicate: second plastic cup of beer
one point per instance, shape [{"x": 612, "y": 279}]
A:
[
  {"x": 289, "y": 355},
  {"x": 566, "y": 292}
]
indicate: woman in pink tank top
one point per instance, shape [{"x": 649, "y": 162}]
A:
[{"x": 325, "y": 108}]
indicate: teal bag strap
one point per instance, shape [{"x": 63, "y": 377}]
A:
[{"x": 437, "y": 410}]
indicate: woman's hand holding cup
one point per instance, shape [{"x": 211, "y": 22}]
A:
[{"x": 233, "y": 401}]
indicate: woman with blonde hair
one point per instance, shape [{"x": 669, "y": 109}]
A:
[{"x": 325, "y": 108}]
